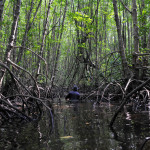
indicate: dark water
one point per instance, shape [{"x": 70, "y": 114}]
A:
[{"x": 82, "y": 127}]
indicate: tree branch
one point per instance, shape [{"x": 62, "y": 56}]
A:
[
  {"x": 126, "y": 7},
  {"x": 125, "y": 100}
]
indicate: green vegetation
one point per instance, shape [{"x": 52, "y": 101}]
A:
[{"x": 49, "y": 45}]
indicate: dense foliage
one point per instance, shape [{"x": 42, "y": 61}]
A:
[
  {"x": 49, "y": 44},
  {"x": 72, "y": 41}
]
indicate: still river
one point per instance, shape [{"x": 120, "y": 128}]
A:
[{"x": 81, "y": 127}]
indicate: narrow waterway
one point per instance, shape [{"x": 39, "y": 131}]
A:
[{"x": 79, "y": 127}]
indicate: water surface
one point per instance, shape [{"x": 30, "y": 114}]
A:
[{"x": 79, "y": 127}]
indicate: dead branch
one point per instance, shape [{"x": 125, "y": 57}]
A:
[
  {"x": 126, "y": 7},
  {"x": 26, "y": 72},
  {"x": 125, "y": 100},
  {"x": 14, "y": 77},
  {"x": 145, "y": 141},
  {"x": 32, "y": 52},
  {"x": 35, "y": 100},
  {"x": 11, "y": 106}
]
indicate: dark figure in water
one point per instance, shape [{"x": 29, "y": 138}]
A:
[{"x": 74, "y": 95}]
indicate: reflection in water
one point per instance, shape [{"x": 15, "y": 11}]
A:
[
  {"x": 128, "y": 116},
  {"x": 149, "y": 109},
  {"x": 79, "y": 127}
]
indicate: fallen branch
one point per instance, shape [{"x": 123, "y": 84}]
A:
[
  {"x": 13, "y": 107},
  {"x": 34, "y": 98},
  {"x": 125, "y": 100},
  {"x": 146, "y": 140}
]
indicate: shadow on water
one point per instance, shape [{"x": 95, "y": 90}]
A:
[{"x": 79, "y": 127}]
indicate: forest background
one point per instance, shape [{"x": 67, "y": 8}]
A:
[{"x": 48, "y": 45}]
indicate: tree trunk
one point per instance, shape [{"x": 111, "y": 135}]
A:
[
  {"x": 143, "y": 24},
  {"x": 125, "y": 69},
  {"x": 129, "y": 37},
  {"x": 43, "y": 39},
  {"x": 96, "y": 48},
  {"x": 136, "y": 40},
  {"x": 1, "y": 20},
  {"x": 148, "y": 43},
  {"x": 28, "y": 27},
  {"x": 58, "y": 48},
  {"x": 1, "y": 11},
  {"x": 11, "y": 38}
]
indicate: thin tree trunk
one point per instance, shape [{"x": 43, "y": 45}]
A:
[
  {"x": 96, "y": 48},
  {"x": 136, "y": 39},
  {"x": 125, "y": 69},
  {"x": 11, "y": 38},
  {"x": 58, "y": 48},
  {"x": 135, "y": 27},
  {"x": 28, "y": 27},
  {"x": 148, "y": 43},
  {"x": 124, "y": 30},
  {"x": 43, "y": 38},
  {"x": 1, "y": 20},
  {"x": 143, "y": 24},
  {"x": 129, "y": 45},
  {"x": 1, "y": 11}
]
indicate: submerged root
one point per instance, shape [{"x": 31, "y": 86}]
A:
[
  {"x": 139, "y": 97},
  {"x": 23, "y": 108},
  {"x": 19, "y": 101}
]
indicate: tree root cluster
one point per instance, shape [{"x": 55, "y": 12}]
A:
[
  {"x": 22, "y": 108},
  {"x": 135, "y": 94},
  {"x": 137, "y": 101},
  {"x": 22, "y": 103}
]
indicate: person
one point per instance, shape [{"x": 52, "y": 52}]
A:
[{"x": 73, "y": 96}]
